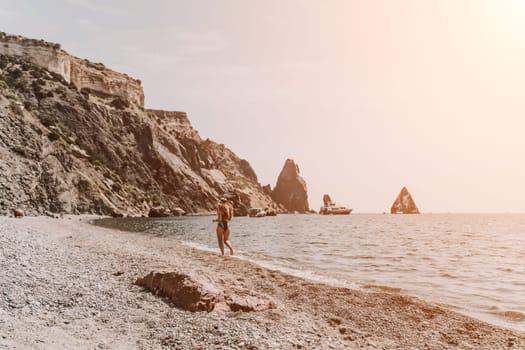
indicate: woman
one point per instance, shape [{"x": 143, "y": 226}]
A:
[{"x": 224, "y": 215}]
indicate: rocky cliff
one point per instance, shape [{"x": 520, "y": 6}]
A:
[
  {"x": 290, "y": 190},
  {"x": 82, "y": 73},
  {"x": 75, "y": 139},
  {"x": 404, "y": 204}
]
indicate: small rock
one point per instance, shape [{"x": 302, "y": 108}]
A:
[
  {"x": 159, "y": 212},
  {"x": 178, "y": 211}
]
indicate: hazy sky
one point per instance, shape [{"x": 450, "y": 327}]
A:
[{"x": 366, "y": 96}]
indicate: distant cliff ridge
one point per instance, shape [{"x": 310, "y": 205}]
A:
[
  {"x": 75, "y": 138},
  {"x": 82, "y": 73}
]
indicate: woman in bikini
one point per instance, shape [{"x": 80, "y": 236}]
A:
[{"x": 224, "y": 215}]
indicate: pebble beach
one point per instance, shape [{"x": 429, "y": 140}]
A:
[{"x": 68, "y": 284}]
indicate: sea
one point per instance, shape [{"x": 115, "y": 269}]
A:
[{"x": 470, "y": 263}]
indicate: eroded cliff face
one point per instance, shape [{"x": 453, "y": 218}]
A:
[
  {"x": 215, "y": 168},
  {"x": 82, "y": 73},
  {"x": 70, "y": 150},
  {"x": 290, "y": 190}
]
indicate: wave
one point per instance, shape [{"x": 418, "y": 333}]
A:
[
  {"x": 510, "y": 315},
  {"x": 382, "y": 288},
  {"x": 199, "y": 246},
  {"x": 264, "y": 262}
]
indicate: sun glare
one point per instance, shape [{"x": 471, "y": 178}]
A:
[
  {"x": 516, "y": 15},
  {"x": 518, "y": 6}
]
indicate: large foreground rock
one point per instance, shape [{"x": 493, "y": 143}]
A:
[
  {"x": 194, "y": 294},
  {"x": 404, "y": 204},
  {"x": 291, "y": 190}
]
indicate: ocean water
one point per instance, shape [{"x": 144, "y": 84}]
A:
[{"x": 471, "y": 263}]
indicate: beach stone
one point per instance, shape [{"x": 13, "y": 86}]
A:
[
  {"x": 159, "y": 212},
  {"x": 19, "y": 213},
  {"x": 193, "y": 294},
  {"x": 51, "y": 214},
  {"x": 183, "y": 291},
  {"x": 178, "y": 211},
  {"x": 246, "y": 303}
]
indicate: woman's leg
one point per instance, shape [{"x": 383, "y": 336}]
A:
[
  {"x": 220, "y": 233},
  {"x": 227, "y": 240}
]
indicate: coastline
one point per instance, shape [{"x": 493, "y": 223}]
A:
[{"x": 69, "y": 284}]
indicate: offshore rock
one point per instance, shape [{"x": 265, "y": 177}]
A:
[
  {"x": 87, "y": 146},
  {"x": 290, "y": 190},
  {"x": 404, "y": 204}
]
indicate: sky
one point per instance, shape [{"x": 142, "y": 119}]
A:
[{"x": 366, "y": 96}]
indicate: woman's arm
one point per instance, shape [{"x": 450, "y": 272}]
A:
[
  {"x": 218, "y": 218},
  {"x": 230, "y": 210}
]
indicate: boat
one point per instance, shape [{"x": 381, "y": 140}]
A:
[
  {"x": 334, "y": 210},
  {"x": 330, "y": 208}
]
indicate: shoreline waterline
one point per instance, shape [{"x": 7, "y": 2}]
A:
[
  {"x": 404, "y": 264},
  {"x": 69, "y": 284}
]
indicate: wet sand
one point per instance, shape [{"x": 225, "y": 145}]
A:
[{"x": 67, "y": 284}]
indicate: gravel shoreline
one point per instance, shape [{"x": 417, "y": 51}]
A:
[{"x": 67, "y": 284}]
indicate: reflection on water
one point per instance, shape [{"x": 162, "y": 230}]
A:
[{"x": 473, "y": 262}]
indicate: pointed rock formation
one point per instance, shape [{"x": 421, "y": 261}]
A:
[
  {"x": 290, "y": 190},
  {"x": 327, "y": 201},
  {"x": 404, "y": 204}
]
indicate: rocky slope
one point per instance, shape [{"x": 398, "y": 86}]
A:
[
  {"x": 78, "y": 140},
  {"x": 290, "y": 190},
  {"x": 404, "y": 204}
]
